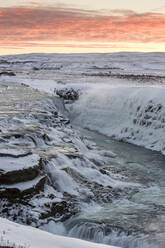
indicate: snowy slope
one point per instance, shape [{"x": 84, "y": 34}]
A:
[{"x": 12, "y": 234}]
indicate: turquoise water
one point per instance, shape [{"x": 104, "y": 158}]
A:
[{"x": 136, "y": 218}]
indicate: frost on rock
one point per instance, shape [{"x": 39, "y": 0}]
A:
[{"x": 67, "y": 94}]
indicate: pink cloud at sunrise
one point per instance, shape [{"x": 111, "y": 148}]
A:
[{"x": 38, "y": 26}]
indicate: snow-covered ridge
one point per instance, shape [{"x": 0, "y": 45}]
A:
[
  {"x": 19, "y": 236},
  {"x": 148, "y": 63}
]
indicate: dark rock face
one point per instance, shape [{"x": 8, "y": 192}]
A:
[
  {"x": 7, "y": 73},
  {"x": 139, "y": 78},
  {"x": 67, "y": 94},
  {"x": 19, "y": 175}
]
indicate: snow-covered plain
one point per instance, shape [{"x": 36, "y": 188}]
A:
[{"x": 19, "y": 236}]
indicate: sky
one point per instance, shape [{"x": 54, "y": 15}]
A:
[{"x": 81, "y": 26}]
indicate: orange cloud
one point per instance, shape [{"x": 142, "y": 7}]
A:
[{"x": 21, "y": 26}]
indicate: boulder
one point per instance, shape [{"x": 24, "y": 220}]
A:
[{"x": 67, "y": 94}]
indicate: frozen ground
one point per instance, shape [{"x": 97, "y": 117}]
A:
[{"x": 116, "y": 190}]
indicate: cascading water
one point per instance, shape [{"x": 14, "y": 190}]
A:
[
  {"x": 132, "y": 114},
  {"x": 135, "y": 115},
  {"x": 121, "y": 194}
]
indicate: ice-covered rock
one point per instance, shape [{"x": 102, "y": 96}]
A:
[{"x": 67, "y": 94}]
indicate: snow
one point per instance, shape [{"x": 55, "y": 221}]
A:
[
  {"x": 124, "y": 109},
  {"x": 24, "y": 185},
  {"x": 14, "y": 164},
  {"x": 12, "y": 234},
  {"x": 13, "y": 152},
  {"x": 107, "y": 105}
]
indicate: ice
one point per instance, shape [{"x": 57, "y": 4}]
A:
[
  {"x": 125, "y": 109},
  {"x": 63, "y": 181},
  {"x": 121, "y": 96},
  {"x": 14, "y": 164},
  {"x": 132, "y": 114}
]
